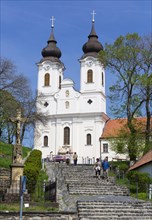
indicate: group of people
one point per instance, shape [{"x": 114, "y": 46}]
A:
[
  {"x": 102, "y": 166},
  {"x": 68, "y": 158},
  {"x": 98, "y": 166}
]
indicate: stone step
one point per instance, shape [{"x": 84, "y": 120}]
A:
[
  {"x": 114, "y": 218},
  {"x": 115, "y": 205},
  {"x": 96, "y": 217},
  {"x": 79, "y": 174},
  {"x": 133, "y": 203},
  {"x": 114, "y": 210},
  {"x": 96, "y": 187},
  {"x": 97, "y": 193},
  {"x": 89, "y": 176},
  {"x": 114, "y": 213},
  {"x": 88, "y": 179},
  {"x": 93, "y": 184},
  {"x": 99, "y": 190}
]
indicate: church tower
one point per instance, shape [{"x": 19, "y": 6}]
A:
[
  {"x": 75, "y": 119},
  {"x": 50, "y": 68},
  {"x": 92, "y": 73}
]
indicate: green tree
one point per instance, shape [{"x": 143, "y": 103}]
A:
[
  {"x": 7, "y": 129},
  {"x": 15, "y": 92},
  {"x": 145, "y": 86},
  {"x": 125, "y": 59}
]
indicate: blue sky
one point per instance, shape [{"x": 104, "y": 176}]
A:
[{"x": 26, "y": 26}]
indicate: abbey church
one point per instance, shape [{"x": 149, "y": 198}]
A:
[{"x": 75, "y": 119}]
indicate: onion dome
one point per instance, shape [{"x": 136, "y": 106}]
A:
[
  {"x": 92, "y": 46},
  {"x": 51, "y": 50}
]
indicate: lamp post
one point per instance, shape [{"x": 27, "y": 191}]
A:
[{"x": 100, "y": 147}]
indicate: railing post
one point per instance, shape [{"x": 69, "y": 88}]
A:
[
  {"x": 137, "y": 189},
  {"x": 123, "y": 175},
  {"x": 146, "y": 191},
  {"x": 150, "y": 191},
  {"x": 93, "y": 160},
  {"x": 119, "y": 174},
  {"x": 129, "y": 187}
]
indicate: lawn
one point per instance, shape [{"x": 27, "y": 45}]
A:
[
  {"x": 6, "y": 154},
  {"x": 36, "y": 207}
]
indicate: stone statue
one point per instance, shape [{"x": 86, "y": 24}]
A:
[{"x": 17, "y": 151}]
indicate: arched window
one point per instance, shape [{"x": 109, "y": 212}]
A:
[
  {"x": 67, "y": 93},
  {"x": 59, "y": 82},
  {"x": 88, "y": 139},
  {"x": 66, "y": 136},
  {"x": 47, "y": 79},
  {"x": 89, "y": 76},
  {"x": 102, "y": 78},
  {"x": 45, "y": 141},
  {"x": 66, "y": 104}
]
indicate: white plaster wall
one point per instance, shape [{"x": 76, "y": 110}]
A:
[
  {"x": 97, "y": 76},
  {"x": 79, "y": 127},
  {"x": 55, "y": 70},
  {"x": 80, "y": 117}
]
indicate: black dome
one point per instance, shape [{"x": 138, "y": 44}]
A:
[
  {"x": 93, "y": 45},
  {"x": 51, "y": 50}
]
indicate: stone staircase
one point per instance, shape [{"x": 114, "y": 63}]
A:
[
  {"x": 101, "y": 199},
  {"x": 82, "y": 180},
  {"x": 124, "y": 210},
  {"x": 95, "y": 187}
]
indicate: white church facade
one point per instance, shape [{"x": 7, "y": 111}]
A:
[{"x": 75, "y": 119}]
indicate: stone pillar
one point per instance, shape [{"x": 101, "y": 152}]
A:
[
  {"x": 13, "y": 193},
  {"x": 16, "y": 168}
]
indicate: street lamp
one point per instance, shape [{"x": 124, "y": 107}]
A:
[{"x": 100, "y": 147}]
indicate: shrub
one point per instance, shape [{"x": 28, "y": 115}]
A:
[
  {"x": 122, "y": 165},
  {"x": 32, "y": 169},
  {"x": 35, "y": 159},
  {"x": 143, "y": 179},
  {"x": 32, "y": 174}
]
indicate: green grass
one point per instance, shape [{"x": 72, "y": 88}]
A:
[
  {"x": 38, "y": 207},
  {"x": 6, "y": 154}
]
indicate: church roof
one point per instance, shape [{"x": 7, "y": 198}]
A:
[
  {"x": 92, "y": 46},
  {"x": 67, "y": 83},
  {"x": 113, "y": 127},
  {"x": 51, "y": 51},
  {"x": 142, "y": 161}
]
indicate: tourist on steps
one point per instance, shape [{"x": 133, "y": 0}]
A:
[
  {"x": 105, "y": 167},
  {"x": 75, "y": 158},
  {"x": 67, "y": 156},
  {"x": 97, "y": 168}
]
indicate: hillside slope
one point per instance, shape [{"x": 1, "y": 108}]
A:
[{"x": 6, "y": 154}]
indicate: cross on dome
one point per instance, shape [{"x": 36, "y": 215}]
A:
[
  {"x": 93, "y": 14},
  {"x": 52, "y": 20}
]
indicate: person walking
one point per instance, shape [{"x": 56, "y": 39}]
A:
[
  {"x": 105, "y": 167},
  {"x": 97, "y": 168},
  {"x": 67, "y": 156},
  {"x": 75, "y": 158}
]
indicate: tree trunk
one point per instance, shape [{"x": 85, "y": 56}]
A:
[{"x": 148, "y": 130}]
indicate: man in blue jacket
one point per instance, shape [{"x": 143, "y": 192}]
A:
[{"x": 105, "y": 167}]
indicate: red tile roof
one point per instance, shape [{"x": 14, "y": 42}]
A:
[
  {"x": 143, "y": 160},
  {"x": 113, "y": 127}
]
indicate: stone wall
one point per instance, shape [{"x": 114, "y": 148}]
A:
[
  {"x": 4, "y": 180},
  {"x": 39, "y": 216},
  {"x": 5, "y": 173}
]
